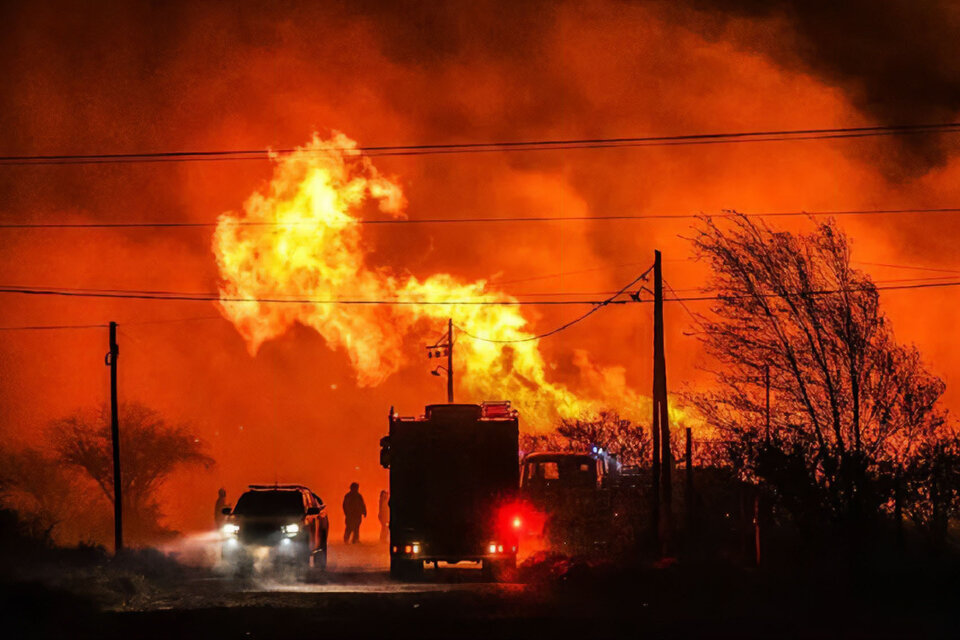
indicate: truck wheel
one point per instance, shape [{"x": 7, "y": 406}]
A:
[{"x": 406, "y": 569}]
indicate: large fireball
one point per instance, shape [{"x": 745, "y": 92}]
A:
[{"x": 300, "y": 239}]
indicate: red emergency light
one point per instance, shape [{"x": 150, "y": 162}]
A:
[{"x": 520, "y": 519}]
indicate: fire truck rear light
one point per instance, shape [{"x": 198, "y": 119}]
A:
[
  {"x": 408, "y": 549},
  {"x": 395, "y": 549},
  {"x": 416, "y": 548},
  {"x": 499, "y": 548},
  {"x": 493, "y": 548},
  {"x": 517, "y": 522}
]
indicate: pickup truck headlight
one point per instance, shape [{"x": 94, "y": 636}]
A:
[
  {"x": 230, "y": 530},
  {"x": 291, "y": 529}
]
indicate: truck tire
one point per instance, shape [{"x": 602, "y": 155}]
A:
[{"x": 401, "y": 569}]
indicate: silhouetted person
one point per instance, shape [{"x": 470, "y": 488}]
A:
[
  {"x": 218, "y": 516},
  {"x": 355, "y": 511},
  {"x": 383, "y": 515}
]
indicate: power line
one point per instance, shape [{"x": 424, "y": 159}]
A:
[
  {"x": 910, "y": 267},
  {"x": 622, "y": 265},
  {"x": 676, "y": 298},
  {"x": 488, "y": 147},
  {"x": 53, "y": 327},
  {"x": 596, "y": 305},
  {"x": 213, "y": 297},
  {"x": 926, "y": 285},
  {"x": 172, "y": 320},
  {"x": 883, "y": 281},
  {"x": 521, "y": 294},
  {"x": 501, "y": 219},
  {"x": 297, "y": 297},
  {"x": 567, "y": 325},
  {"x": 559, "y": 274},
  {"x": 160, "y": 294},
  {"x": 684, "y": 305},
  {"x": 274, "y": 297}
]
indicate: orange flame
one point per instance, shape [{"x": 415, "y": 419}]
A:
[{"x": 301, "y": 237}]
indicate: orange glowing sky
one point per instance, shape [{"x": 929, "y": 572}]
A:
[{"x": 217, "y": 76}]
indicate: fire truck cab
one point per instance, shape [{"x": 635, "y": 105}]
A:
[
  {"x": 589, "y": 500},
  {"x": 546, "y": 471},
  {"x": 453, "y": 481}
]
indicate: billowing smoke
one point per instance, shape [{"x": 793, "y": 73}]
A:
[{"x": 898, "y": 61}]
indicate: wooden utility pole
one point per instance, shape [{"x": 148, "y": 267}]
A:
[
  {"x": 756, "y": 525},
  {"x": 689, "y": 501},
  {"x": 661, "y": 422},
  {"x": 756, "y": 501},
  {"x": 450, "y": 360},
  {"x": 444, "y": 346},
  {"x": 898, "y": 513},
  {"x": 655, "y": 480},
  {"x": 111, "y": 359},
  {"x": 655, "y": 464},
  {"x": 766, "y": 382}
]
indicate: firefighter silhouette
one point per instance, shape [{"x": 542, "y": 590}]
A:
[
  {"x": 383, "y": 515},
  {"x": 355, "y": 510},
  {"x": 218, "y": 517}
]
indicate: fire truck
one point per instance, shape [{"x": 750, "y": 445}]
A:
[{"x": 453, "y": 486}]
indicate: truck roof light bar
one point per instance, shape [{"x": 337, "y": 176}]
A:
[
  {"x": 263, "y": 487},
  {"x": 497, "y": 409}
]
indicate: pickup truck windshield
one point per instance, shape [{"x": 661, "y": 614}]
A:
[
  {"x": 568, "y": 471},
  {"x": 270, "y": 503}
]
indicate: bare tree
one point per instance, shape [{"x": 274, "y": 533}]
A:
[
  {"x": 150, "y": 449},
  {"x": 848, "y": 401},
  {"x": 607, "y": 430},
  {"x": 530, "y": 442},
  {"x": 33, "y": 484}
]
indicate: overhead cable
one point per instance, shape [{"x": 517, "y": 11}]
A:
[
  {"x": 213, "y": 297},
  {"x": 201, "y": 155},
  {"x": 54, "y": 327},
  {"x": 566, "y": 325},
  {"x": 501, "y": 219}
]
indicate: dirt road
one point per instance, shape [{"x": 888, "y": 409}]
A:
[
  {"x": 357, "y": 599},
  {"x": 351, "y": 569}
]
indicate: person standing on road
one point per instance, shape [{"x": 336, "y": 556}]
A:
[
  {"x": 355, "y": 510},
  {"x": 383, "y": 515},
  {"x": 218, "y": 517}
]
